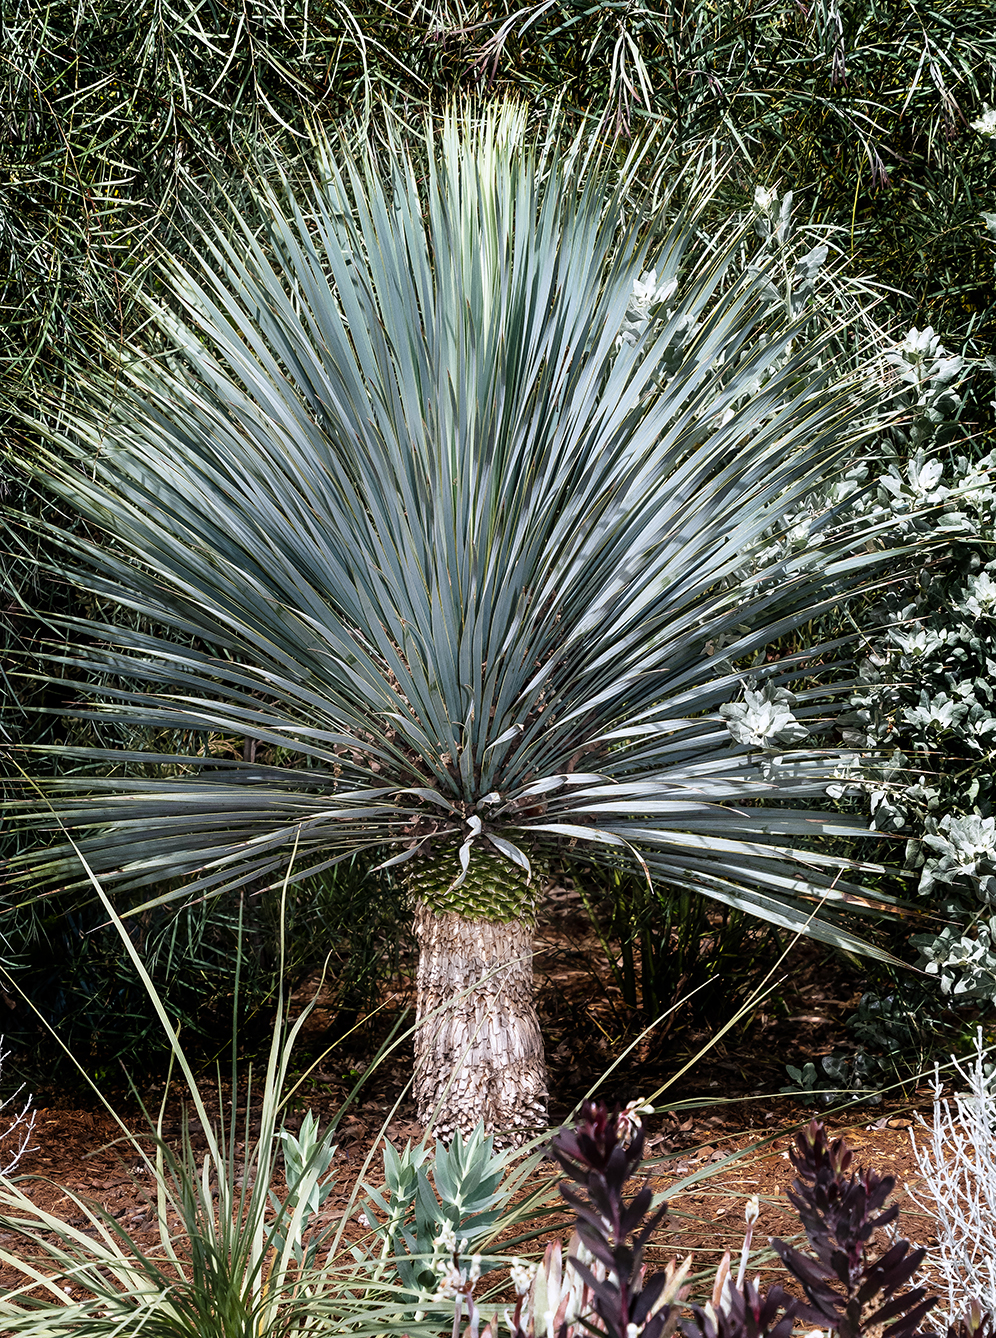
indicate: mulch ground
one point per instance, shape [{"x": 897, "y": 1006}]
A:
[{"x": 721, "y": 1132}]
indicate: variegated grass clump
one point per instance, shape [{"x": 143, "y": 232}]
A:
[{"x": 244, "y": 1248}]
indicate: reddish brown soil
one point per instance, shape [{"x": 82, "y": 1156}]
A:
[
  {"x": 72, "y": 1155},
  {"x": 725, "y": 1104}
]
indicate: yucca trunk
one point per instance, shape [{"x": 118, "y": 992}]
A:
[{"x": 478, "y": 1045}]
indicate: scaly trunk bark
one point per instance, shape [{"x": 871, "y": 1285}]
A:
[{"x": 478, "y": 1045}]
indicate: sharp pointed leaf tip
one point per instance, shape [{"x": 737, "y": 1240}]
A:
[{"x": 512, "y": 733}]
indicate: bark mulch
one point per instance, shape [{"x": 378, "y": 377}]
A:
[{"x": 727, "y": 1102}]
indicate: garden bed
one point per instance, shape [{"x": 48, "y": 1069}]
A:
[{"x": 727, "y": 1103}]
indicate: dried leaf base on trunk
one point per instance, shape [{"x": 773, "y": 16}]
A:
[{"x": 484, "y": 1041}]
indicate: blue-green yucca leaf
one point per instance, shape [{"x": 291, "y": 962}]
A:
[{"x": 407, "y": 512}]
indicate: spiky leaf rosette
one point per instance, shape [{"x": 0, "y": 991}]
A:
[{"x": 428, "y": 533}]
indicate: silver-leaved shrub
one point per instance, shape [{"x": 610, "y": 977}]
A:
[
  {"x": 922, "y": 713},
  {"x": 927, "y": 693}
]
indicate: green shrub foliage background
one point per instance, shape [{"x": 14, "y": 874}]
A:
[{"x": 117, "y": 120}]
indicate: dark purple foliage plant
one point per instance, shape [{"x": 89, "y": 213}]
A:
[
  {"x": 601, "y": 1155},
  {"x": 743, "y": 1312},
  {"x": 603, "y": 1288},
  {"x": 849, "y": 1287},
  {"x": 853, "y": 1281}
]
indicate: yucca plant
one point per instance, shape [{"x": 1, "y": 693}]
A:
[{"x": 432, "y": 536}]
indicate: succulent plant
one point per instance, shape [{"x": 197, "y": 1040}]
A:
[{"x": 848, "y": 1287}]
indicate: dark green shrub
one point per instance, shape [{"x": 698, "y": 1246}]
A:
[{"x": 64, "y": 968}]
